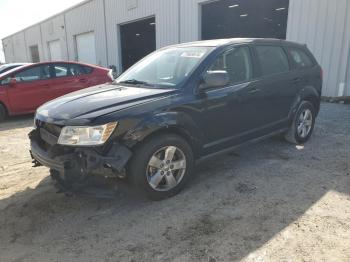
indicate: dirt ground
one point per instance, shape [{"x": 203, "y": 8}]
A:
[{"x": 268, "y": 202}]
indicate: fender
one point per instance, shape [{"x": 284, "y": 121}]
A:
[
  {"x": 178, "y": 122},
  {"x": 309, "y": 93}
]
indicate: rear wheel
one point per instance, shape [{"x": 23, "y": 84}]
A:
[
  {"x": 303, "y": 124},
  {"x": 161, "y": 166},
  {"x": 3, "y": 113}
]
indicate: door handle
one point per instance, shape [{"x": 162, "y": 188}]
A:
[
  {"x": 83, "y": 80},
  {"x": 254, "y": 91}
]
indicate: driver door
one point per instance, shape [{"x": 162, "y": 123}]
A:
[
  {"x": 31, "y": 89},
  {"x": 230, "y": 110}
]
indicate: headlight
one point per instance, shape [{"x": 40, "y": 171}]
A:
[{"x": 86, "y": 135}]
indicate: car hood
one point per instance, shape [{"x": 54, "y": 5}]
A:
[{"x": 98, "y": 101}]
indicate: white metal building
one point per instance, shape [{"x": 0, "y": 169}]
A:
[{"x": 119, "y": 32}]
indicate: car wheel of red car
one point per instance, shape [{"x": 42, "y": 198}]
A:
[{"x": 3, "y": 113}]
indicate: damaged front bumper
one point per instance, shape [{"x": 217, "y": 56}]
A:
[{"x": 72, "y": 165}]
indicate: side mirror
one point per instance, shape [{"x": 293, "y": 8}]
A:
[
  {"x": 12, "y": 82},
  {"x": 214, "y": 79}
]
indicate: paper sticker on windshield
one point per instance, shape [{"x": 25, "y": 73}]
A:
[{"x": 192, "y": 54}]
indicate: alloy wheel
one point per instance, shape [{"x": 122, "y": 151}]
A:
[
  {"x": 304, "y": 124},
  {"x": 166, "y": 168}
]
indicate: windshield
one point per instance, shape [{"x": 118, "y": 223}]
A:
[{"x": 165, "y": 68}]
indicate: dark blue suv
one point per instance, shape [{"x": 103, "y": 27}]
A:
[{"x": 179, "y": 105}]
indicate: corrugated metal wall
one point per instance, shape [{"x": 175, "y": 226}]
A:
[
  {"x": 51, "y": 30},
  {"x": 32, "y": 38},
  {"x": 15, "y": 48},
  {"x": 324, "y": 25},
  {"x": 190, "y": 20},
  {"x": 166, "y": 13},
  {"x": 92, "y": 13},
  {"x": 7, "y": 44}
]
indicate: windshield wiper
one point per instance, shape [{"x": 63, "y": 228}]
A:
[{"x": 134, "y": 82}]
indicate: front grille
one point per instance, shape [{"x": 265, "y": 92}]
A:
[{"x": 51, "y": 128}]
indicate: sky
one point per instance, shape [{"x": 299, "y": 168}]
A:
[{"x": 16, "y": 15}]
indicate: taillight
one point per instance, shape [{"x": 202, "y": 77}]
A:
[{"x": 110, "y": 74}]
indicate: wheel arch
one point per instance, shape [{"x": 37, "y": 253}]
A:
[
  {"x": 314, "y": 101},
  {"x": 309, "y": 94},
  {"x": 175, "y": 130},
  {"x": 177, "y": 123},
  {"x": 5, "y": 107}
]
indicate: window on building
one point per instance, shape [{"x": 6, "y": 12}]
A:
[
  {"x": 300, "y": 58},
  {"x": 273, "y": 60},
  {"x": 34, "y": 52},
  {"x": 237, "y": 63}
]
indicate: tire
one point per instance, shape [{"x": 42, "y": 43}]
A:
[
  {"x": 159, "y": 179},
  {"x": 3, "y": 113},
  {"x": 302, "y": 126}
]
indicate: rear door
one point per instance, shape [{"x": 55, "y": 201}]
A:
[
  {"x": 305, "y": 69},
  {"x": 31, "y": 89},
  {"x": 67, "y": 78},
  {"x": 276, "y": 87}
]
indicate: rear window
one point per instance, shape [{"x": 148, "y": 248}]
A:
[
  {"x": 300, "y": 58},
  {"x": 273, "y": 60}
]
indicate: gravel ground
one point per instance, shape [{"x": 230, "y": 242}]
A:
[{"x": 268, "y": 202}]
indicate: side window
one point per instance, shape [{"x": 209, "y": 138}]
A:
[
  {"x": 41, "y": 72},
  {"x": 237, "y": 63},
  {"x": 60, "y": 70},
  {"x": 300, "y": 58},
  {"x": 76, "y": 70},
  {"x": 88, "y": 69},
  {"x": 66, "y": 70},
  {"x": 5, "y": 81},
  {"x": 273, "y": 60}
]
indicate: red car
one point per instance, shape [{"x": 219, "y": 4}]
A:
[{"x": 24, "y": 89}]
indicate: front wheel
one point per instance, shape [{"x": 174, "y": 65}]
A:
[
  {"x": 161, "y": 166},
  {"x": 303, "y": 124}
]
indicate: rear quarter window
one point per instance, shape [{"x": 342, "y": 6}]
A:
[
  {"x": 69, "y": 70},
  {"x": 300, "y": 58},
  {"x": 88, "y": 69},
  {"x": 272, "y": 59}
]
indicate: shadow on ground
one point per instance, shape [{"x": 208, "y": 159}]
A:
[{"x": 15, "y": 122}]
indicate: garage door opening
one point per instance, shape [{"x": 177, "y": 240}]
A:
[
  {"x": 138, "y": 39},
  {"x": 245, "y": 18},
  {"x": 85, "y": 48}
]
